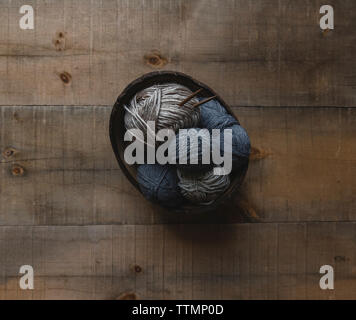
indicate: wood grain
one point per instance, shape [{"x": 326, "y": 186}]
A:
[
  {"x": 58, "y": 168},
  {"x": 68, "y": 210},
  {"x": 253, "y": 53},
  {"x": 241, "y": 261}
]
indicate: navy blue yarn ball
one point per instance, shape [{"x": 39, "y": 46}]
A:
[
  {"x": 241, "y": 146},
  {"x": 214, "y": 116},
  {"x": 159, "y": 184},
  {"x": 240, "y": 149}
]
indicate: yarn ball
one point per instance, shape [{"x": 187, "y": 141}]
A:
[
  {"x": 214, "y": 116},
  {"x": 202, "y": 188},
  {"x": 160, "y": 103},
  {"x": 190, "y": 145},
  {"x": 241, "y": 146},
  {"x": 159, "y": 184}
]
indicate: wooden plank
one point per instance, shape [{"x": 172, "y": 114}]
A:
[
  {"x": 292, "y": 246},
  {"x": 261, "y": 52},
  {"x": 241, "y": 261},
  {"x": 303, "y": 164},
  {"x": 302, "y": 169}
]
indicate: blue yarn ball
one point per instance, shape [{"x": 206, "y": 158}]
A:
[
  {"x": 159, "y": 184},
  {"x": 214, "y": 116},
  {"x": 241, "y": 146}
]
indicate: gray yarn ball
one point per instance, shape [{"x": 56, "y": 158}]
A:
[
  {"x": 159, "y": 183},
  {"x": 202, "y": 188},
  {"x": 160, "y": 103}
]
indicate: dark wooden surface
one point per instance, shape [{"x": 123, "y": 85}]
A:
[
  {"x": 254, "y": 53},
  {"x": 235, "y": 261},
  {"x": 67, "y": 209},
  {"x": 302, "y": 168}
]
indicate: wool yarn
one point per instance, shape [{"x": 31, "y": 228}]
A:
[
  {"x": 160, "y": 103},
  {"x": 214, "y": 116},
  {"x": 190, "y": 145},
  {"x": 190, "y": 180},
  {"x": 159, "y": 183},
  {"x": 241, "y": 146},
  {"x": 202, "y": 188}
]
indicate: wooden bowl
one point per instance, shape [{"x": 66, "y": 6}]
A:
[{"x": 117, "y": 131}]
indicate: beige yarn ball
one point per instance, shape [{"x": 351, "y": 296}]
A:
[{"x": 160, "y": 103}]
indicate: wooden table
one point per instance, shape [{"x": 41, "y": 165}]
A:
[{"x": 66, "y": 208}]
